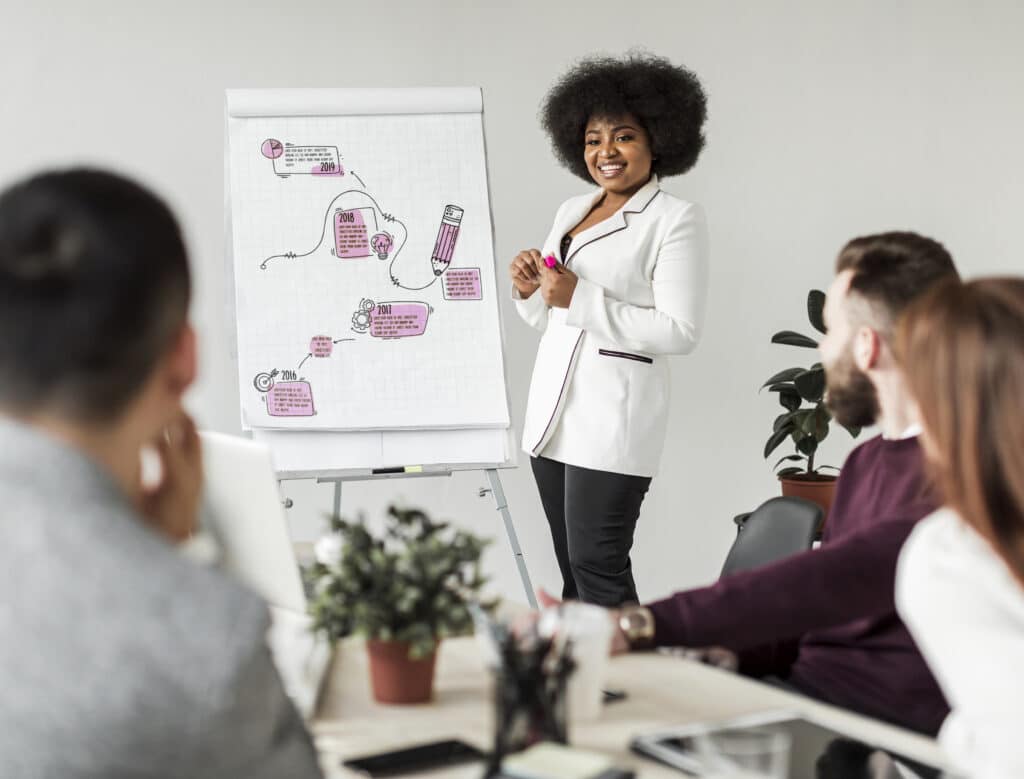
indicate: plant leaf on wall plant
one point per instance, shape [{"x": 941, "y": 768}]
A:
[
  {"x": 775, "y": 439},
  {"x": 792, "y": 338},
  {"x": 791, "y": 471},
  {"x": 815, "y": 310},
  {"x": 783, "y": 376},
  {"x": 810, "y": 384},
  {"x": 789, "y": 458}
]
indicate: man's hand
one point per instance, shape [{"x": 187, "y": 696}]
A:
[
  {"x": 619, "y": 645},
  {"x": 557, "y": 285},
  {"x": 717, "y": 656},
  {"x": 525, "y": 271},
  {"x": 172, "y": 506}
]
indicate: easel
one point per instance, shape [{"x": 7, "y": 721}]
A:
[{"x": 339, "y": 478}]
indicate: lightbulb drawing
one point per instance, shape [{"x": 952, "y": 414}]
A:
[{"x": 382, "y": 243}]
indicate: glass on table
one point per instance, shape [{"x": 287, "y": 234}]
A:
[{"x": 744, "y": 753}]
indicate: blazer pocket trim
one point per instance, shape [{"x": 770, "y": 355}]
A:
[{"x": 626, "y": 356}]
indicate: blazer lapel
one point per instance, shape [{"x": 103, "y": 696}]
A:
[{"x": 616, "y": 221}]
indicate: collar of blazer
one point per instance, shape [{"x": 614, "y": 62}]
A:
[{"x": 613, "y": 224}]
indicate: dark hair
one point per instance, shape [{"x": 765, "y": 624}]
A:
[
  {"x": 94, "y": 284},
  {"x": 961, "y": 348},
  {"x": 667, "y": 100},
  {"x": 892, "y": 269}
]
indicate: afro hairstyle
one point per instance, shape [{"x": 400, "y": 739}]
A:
[{"x": 667, "y": 100}]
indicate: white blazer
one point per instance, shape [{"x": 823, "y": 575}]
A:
[{"x": 599, "y": 395}]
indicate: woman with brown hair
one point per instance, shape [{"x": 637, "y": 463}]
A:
[{"x": 960, "y": 582}]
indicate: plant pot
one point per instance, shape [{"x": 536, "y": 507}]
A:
[
  {"x": 816, "y": 488},
  {"x": 395, "y": 678}
]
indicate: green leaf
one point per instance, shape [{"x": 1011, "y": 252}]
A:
[
  {"x": 807, "y": 445},
  {"x": 810, "y": 384},
  {"x": 782, "y": 420},
  {"x": 774, "y": 440},
  {"x": 815, "y": 310},
  {"x": 790, "y": 472},
  {"x": 791, "y": 338},
  {"x": 821, "y": 420},
  {"x": 788, "y": 458},
  {"x": 786, "y": 375},
  {"x": 790, "y": 399}
]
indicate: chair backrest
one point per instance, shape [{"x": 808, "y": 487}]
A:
[{"x": 778, "y": 528}]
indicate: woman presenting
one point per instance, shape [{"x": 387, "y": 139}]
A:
[{"x": 619, "y": 284}]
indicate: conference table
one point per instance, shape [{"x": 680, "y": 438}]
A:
[{"x": 662, "y": 691}]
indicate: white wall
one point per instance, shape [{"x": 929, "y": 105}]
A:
[{"x": 827, "y": 120}]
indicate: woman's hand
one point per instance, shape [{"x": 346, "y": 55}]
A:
[
  {"x": 525, "y": 272},
  {"x": 557, "y": 285}
]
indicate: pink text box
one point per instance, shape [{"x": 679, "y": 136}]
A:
[
  {"x": 321, "y": 346},
  {"x": 351, "y": 238},
  {"x": 315, "y": 160},
  {"x": 290, "y": 399},
  {"x": 462, "y": 284},
  {"x": 398, "y": 320}
]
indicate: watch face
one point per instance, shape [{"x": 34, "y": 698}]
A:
[{"x": 638, "y": 623}]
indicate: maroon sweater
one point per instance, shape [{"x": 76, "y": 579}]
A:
[{"x": 825, "y": 620}]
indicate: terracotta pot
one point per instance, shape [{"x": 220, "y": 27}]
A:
[
  {"x": 818, "y": 489},
  {"x": 397, "y": 679}
]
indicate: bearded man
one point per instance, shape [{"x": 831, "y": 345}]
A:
[{"x": 823, "y": 622}]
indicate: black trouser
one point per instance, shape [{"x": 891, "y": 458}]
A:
[{"x": 592, "y": 515}]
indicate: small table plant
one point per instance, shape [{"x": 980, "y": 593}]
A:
[{"x": 403, "y": 590}]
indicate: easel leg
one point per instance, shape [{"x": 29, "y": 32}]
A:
[
  {"x": 336, "y": 513},
  {"x": 499, "y": 499}
]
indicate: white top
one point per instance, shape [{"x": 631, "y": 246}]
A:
[
  {"x": 965, "y": 610},
  {"x": 599, "y": 394}
]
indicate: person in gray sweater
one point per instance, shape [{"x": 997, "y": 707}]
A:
[{"x": 118, "y": 656}]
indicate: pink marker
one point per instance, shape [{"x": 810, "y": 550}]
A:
[{"x": 550, "y": 261}]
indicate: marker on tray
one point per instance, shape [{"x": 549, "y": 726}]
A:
[{"x": 398, "y": 469}]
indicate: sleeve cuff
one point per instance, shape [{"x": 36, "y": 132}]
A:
[
  {"x": 530, "y": 307},
  {"x": 667, "y": 630},
  {"x": 587, "y": 297}
]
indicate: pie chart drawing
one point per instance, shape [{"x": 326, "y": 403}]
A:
[{"x": 272, "y": 148}]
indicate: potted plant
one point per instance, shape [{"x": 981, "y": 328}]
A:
[
  {"x": 404, "y": 591},
  {"x": 806, "y": 419}
]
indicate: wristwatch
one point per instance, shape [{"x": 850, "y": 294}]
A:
[{"x": 637, "y": 625}]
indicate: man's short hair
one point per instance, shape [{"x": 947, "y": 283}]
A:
[
  {"x": 94, "y": 285},
  {"x": 892, "y": 269}
]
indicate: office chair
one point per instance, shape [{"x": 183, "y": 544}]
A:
[{"x": 778, "y": 528}]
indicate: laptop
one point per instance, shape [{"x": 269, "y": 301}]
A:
[{"x": 244, "y": 516}]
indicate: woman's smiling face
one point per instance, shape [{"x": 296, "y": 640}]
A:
[{"x": 618, "y": 153}]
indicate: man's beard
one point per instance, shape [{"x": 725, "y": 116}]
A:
[{"x": 851, "y": 396}]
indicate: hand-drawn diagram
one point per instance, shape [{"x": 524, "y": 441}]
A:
[
  {"x": 361, "y": 229},
  {"x": 292, "y": 394},
  {"x": 394, "y": 319},
  {"x": 354, "y": 216},
  {"x": 382, "y": 243},
  {"x": 463, "y": 284},
  {"x": 290, "y": 160},
  {"x": 447, "y": 233}
]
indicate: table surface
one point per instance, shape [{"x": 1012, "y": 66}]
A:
[{"x": 662, "y": 691}]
